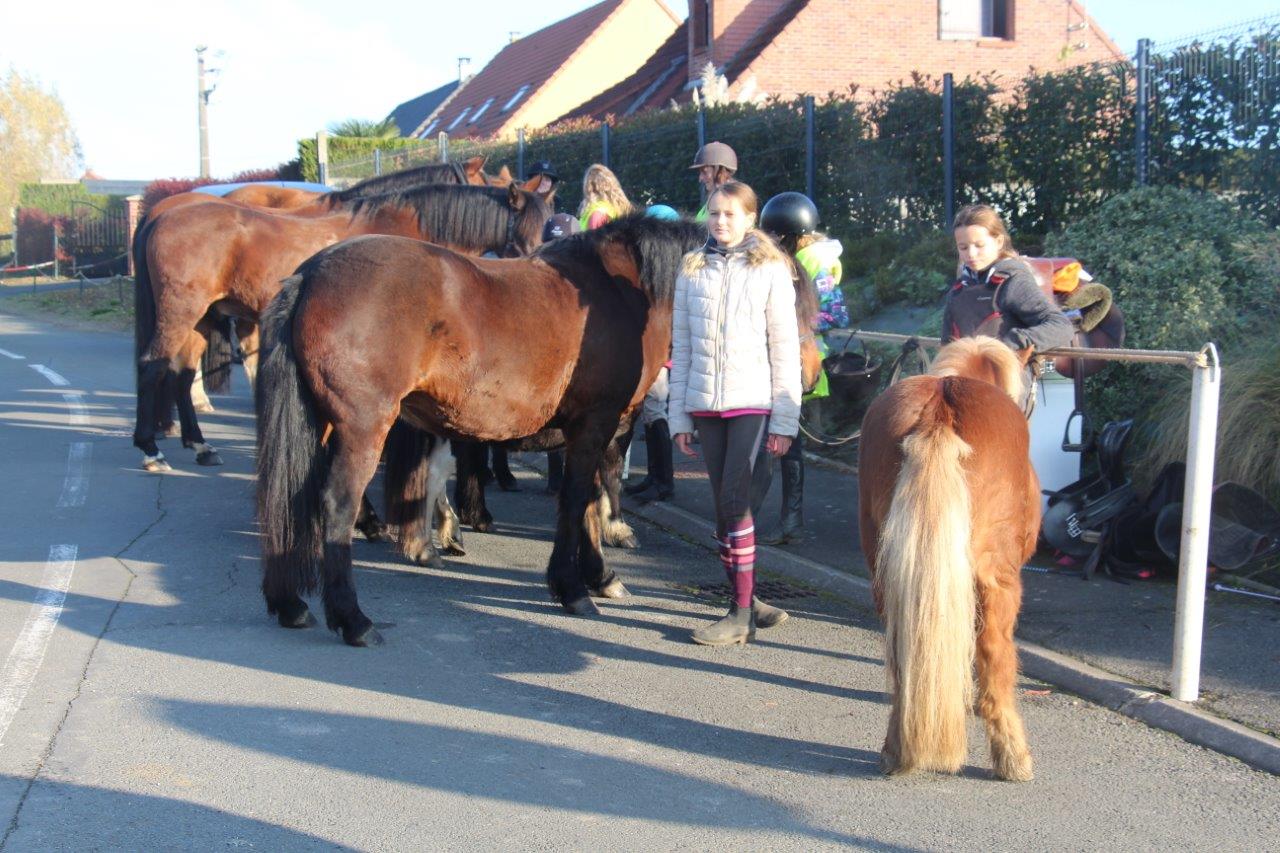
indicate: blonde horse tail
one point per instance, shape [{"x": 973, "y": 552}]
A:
[{"x": 926, "y": 575}]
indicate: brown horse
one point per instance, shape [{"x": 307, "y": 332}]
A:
[
  {"x": 197, "y": 263},
  {"x": 949, "y": 510},
  {"x": 569, "y": 339}
]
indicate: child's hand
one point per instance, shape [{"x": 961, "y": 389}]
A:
[
  {"x": 778, "y": 445},
  {"x": 684, "y": 440}
]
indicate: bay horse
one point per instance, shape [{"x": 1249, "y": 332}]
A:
[
  {"x": 379, "y": 328},
  {"x": 199, "y": 262},
  {"x": 949, "y": 510}
]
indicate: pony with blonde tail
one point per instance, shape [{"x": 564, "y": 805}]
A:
[{"x": 949, "y": 511}]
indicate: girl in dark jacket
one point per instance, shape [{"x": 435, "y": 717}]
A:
[{"x": 997, "y": 294}]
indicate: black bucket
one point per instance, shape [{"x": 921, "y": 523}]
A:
[{"x": 854, "y": 377}]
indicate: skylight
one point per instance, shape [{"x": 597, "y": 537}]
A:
[
  {"x": 475, "y": 118},
  {"x": 457, "y": 121},
  {"x": 515, "y": 99},
  {"x": 426, "y": 131}
]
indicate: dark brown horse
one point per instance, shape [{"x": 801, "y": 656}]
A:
[
  {"x": 199, "y": 262},
  {"x": 380, "y": 328}
]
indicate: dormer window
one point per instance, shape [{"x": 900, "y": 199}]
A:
[
  {"x": 515, "y": 99},
  {"x": 457, "y": 121}
]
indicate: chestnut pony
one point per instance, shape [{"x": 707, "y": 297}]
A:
[
  {"x": 949, "y": 510},
  {"x": 379, "y": 328},
  {"x": 198, "y": 263}
]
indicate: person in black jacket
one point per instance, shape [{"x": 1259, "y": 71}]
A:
[{"x": 996, "y": 293}]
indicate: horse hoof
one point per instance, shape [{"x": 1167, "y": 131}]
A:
[
  {"x": 373, "y": 531},
  {"x": 454, "y": 549},
  {"x": 300, "y": 619},
  {"x": 627, "y": 543},
  {"x": 156, "y": 464},
  {"x": 203, "y": 408},
  {"x": 208, "y": 458},
  {"x": 511, "y": 485},
  {"x": 613, "y": 589},
  {"x": 484, "y": 525},
  {"x": 362, "y": 638},
  {"x": 583, "y": 606}
]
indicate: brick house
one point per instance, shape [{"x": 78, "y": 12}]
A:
[
  {"x": 793, "y": 47},
  {"x": 539, "y": 77}
]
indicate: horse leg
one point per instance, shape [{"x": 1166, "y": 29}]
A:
[
  {"x": 447, "y": 523},
  {"x": 183, "y": 374},
  {"x": 199, "y": 397},
  {"x": 997, "y": 676},
  {"x": 614, "y": 530},
  {"x": 352, "y": 468},
  {"x": 575, "y": 565},
  {"x": 249, "y": 343},
  {"x": 152, "y": 375},
  {"x": 502, "y": 470},
  {"x": 468, "y": 487},
  {"x": 410, "y": 453}
]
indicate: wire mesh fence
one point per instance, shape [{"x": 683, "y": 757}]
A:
[{"x": 1046, "y": 148}]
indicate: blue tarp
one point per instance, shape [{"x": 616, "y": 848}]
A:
[{"x": 223, "y": 189}]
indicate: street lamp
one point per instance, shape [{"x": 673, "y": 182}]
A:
[{"x": 202, "y": 104}]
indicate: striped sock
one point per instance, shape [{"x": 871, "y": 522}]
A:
[{"x": 741, "y": 560}]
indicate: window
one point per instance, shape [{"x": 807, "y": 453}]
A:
[
  {"x": 700, "y": 20},
  {"x": 975, "y": 19},
  {"x": 457, "y": 121},
  {"x": 515, "y": 99},
  {"x": 476, "y": 116},
  {"x": 426, "y": 131}
]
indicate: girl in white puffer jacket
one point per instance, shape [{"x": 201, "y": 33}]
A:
[{"x": 735, "y": 368}]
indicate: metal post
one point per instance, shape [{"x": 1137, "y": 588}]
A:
[
  {"x": 57, "y": 226},
  {"x": 604, "y": 144},
  {"x": 1141, "y": 116},
  {"x": 1188, "y": 621},
  {"x": 377, "y": 162},
  {"x": 442, "y": 142},
  {"x": 948, "y": 149},
  {"x": 322, "y": 156},
  {"x": 810, "y": 149},
  {"x": 202, "y": 111},
  {"x": 520, "y": 154},
  {"x": 702, "y": 128}
]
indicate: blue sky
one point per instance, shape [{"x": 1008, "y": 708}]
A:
[{"x": 126, "y": 68}]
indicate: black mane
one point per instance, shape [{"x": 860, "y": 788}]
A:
[
  {"x": 435, "y": 173},
  {"x": 478, "y": 218},
  {"x": 658, "y": 246}
]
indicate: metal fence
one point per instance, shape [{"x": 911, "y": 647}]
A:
[{"x": 1201, "y": 111}]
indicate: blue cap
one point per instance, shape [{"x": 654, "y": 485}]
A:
[{"x": 661, "y": 211}]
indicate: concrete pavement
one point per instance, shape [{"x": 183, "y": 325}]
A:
[{"x": 168, "y": 710}]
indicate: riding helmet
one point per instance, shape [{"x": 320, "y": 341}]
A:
[
  {"x": 789, "y": 214},
  {"x": 560, "y": 225},
  {"x": 661, "y": 211},
  {"x": 542, "y": 167},
  {"x": 716, "y": 154}
]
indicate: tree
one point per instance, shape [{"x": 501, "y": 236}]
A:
[
  {"x": 37, "y": 141},
  {"x": 365, "y": 128}
]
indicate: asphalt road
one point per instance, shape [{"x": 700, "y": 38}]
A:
[{"x": 147, "y": 701}]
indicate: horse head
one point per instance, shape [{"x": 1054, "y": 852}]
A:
[{"x": 530, "y": 213}]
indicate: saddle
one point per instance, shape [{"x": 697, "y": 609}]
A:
[{"x": 1099, "y": 321}]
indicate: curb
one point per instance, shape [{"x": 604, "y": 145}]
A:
[{"x": 1157, "y": 710}]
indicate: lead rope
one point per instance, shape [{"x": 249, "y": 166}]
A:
[{"x": 909, "y": 346}]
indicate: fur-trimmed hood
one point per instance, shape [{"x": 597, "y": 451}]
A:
[{"x": 758, "y": 248}]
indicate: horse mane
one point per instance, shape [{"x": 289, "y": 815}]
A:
[
  {"x": 658, "y": 247},
  {"x": 464, "y": 215},
  {"x": 433, "y": 173},
  {"x": 982, "y": 358}
]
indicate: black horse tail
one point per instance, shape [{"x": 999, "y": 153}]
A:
[
  {"x": 215, "y": 364},
  {"x": 407, "y": 472},
  {"x": 292, "y": 462}
]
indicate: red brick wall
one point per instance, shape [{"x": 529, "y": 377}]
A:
[{"x": 832, "y": 43}]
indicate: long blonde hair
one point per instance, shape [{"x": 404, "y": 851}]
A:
[{"x": 601, "y": 184}]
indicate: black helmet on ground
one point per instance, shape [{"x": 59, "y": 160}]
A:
[
  {"x": 560, "y": 225},
  {"x": 789, "y": 214},
  {"x": 716, "y": 154}
]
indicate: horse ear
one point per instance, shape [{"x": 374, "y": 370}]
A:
[
  {"x": 504, "y": 175},
  {"x": 531, "y": 185},
  {"x": 1025, "y": 355},
  {"x": 474, "y": 165},
  {"x": 516, "y": 198}
]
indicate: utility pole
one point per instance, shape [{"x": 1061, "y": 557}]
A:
[{"x": 202, "y": 108}]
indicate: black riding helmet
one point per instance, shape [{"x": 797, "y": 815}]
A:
[
  {"x": 789, "y": 214},
  {"x": 542, "y": 167}
]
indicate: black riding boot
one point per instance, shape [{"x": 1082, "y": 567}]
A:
[
  {"x": 792, "y": 503},
  {"x": 661, "y": 477}
]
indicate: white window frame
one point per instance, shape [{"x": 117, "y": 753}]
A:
[
  {"x": 515, "y": 99},
  {"x": 457, "y": 121},
  {"x": 476, "y": 117}
]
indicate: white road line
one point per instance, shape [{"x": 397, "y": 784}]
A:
[
  {"x": 12, "y": 355},
  {"x": 75, "y": 486},
  {"x": 79, "y": 415},
  {"x": 28, "y": 650},
  {"x": 53, "y": 376}
]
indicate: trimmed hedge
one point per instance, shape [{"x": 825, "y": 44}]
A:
[{"x": 61, "y": 199}]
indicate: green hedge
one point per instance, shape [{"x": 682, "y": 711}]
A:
[{"x": 62, "y": 199}]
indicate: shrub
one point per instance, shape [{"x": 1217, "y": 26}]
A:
[{"x": 1182, "y": 266}]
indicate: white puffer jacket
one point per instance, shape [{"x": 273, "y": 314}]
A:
[{"x": 735, "y": 342}]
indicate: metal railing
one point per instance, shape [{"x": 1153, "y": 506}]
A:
[{"x": 1193, "y": 555}]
